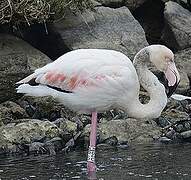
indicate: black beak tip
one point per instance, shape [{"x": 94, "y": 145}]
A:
[{"x": 171, "y": 89}]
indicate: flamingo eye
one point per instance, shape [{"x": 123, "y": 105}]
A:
[{"x": 169, "y": 59}]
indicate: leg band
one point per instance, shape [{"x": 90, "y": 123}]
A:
[{"x": 91, "y": 154}]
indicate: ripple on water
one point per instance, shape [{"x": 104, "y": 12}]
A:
[{"x": 154, "y": 161}]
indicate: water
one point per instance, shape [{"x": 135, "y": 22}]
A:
[{"x": 153, "y": 161}]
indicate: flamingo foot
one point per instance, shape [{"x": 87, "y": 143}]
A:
[{"x": 91, "y": 167}]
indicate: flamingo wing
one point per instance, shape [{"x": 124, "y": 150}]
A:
[{"x": 81, "y": 69}]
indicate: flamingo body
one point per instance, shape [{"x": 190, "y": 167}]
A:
[{"x": 93, "y": 80}]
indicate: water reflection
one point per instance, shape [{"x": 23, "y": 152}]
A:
[{"x": 154, "y": 161}]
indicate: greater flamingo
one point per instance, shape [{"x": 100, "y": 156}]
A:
[{"x": 94, "y": 80}]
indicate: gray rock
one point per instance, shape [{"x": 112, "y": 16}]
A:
[
  {"x": 42, "y": 107},
  {"x": 105, "y": 28},
  {"x": 111, "y": 2},
  {"x": 17, "y": 60},
  {"x": 128, "y": 130},
  {"x": 183, "y": 63},
  {"x": 27, "y": 133},
  {"x": 186, "y": 134},
  {"x": 179, "y": 128},
  {"x": 133, "y": 4},
  {"x": 187, "y": 126},
  {"x": 164, "y": 140},
  {"x": 10, "y": 112},
  {"x": 68, "y": 127},
  {"x": 179, "y": 21},
  {"x": 171, "y": 134}
]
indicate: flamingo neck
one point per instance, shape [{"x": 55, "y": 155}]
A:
[{"x": 151, "y": 84}]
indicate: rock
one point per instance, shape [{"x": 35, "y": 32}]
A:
[
  {"x": 105, "y": 28},
  {"x": 187, "y": 126},
  {"x": 68, "y": 127},
  {"x": 186, "y": 134},
  {"x": 10, "y": 111},
  {"x": 112, "y": 141},
  {"x": 113, "y": 3},
  {"x": 17, "y": 60},
  {"x": 37, "y": 148},
  {"x": 179, "y": 21},
  {"x": 27, "y": 133},
  {"x": 128, "y": 130},
  {"x": 163, "y": 121},
  {"x": 183, "y": 61},
  {"x": 179, "y": 128},
  {"x": 42, "y": 107},
  {"x": 164, "y": 140},
  {"x": 171, "y": 134},
  {"x": 174, "y": 115},
  {"x": 131, "y": 4},
  {"x": 57, "y": 142}
]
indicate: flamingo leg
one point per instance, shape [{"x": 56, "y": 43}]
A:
[{"x": 91, "y": 166}]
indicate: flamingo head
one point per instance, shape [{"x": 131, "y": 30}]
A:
[{"x": 163, "y": 58}]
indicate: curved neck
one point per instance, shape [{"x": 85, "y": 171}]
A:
[{"x": 151, "y": 84}]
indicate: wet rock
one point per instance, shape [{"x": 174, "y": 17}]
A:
[
  {"x": 10, "y": 111},
  {"x": 112, "y": 141},
  {"x": 27, "y": 133},
  {"x": 163, "y": 122},
  {"x": 164, "y": 140},
  {"x": 171, "y": 134},
  {"x": 179, "y": 21},
  {"x": 104, "y": 147},
  {"x": 172, "y": 116},
  {"x": 72, "y": 142},
  {"x": 187, "y": 125},
  {"x": 128, "y": 130},
  {"x": 37, "y": 148},
  {"x": 57, "y": 142},
  {"x": 179, "y": 128},
  {"x": 17, "y": 60},
  {"x": 41, "y": 107},
  {"x": 104, "y": 28},
  {"x": 186, "y": 134}
]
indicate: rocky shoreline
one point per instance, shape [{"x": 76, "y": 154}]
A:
[
  {"x": 41, "y": 125},
  {"x": 31, "y": 125}
]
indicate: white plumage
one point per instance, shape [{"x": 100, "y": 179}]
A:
[{"x": 97, "y": 78}]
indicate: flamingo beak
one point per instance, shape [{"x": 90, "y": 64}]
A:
[{"x": 173, "y": 78}]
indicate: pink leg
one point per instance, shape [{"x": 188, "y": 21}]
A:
[{"x": 91, "y": 167}]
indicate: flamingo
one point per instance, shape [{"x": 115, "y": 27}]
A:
[{"x": 95, "y": 80}]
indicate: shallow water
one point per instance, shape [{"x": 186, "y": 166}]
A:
[{"x": 153, "y": 161}]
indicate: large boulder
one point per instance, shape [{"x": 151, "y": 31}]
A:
[
  {"x": 105, "y": 28},
  {"x": 126, "y": 130},
  {"x": 183, "y": 62},
  {"x": 178, "y": 19},
  {"x": 17, "y": 60}
]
